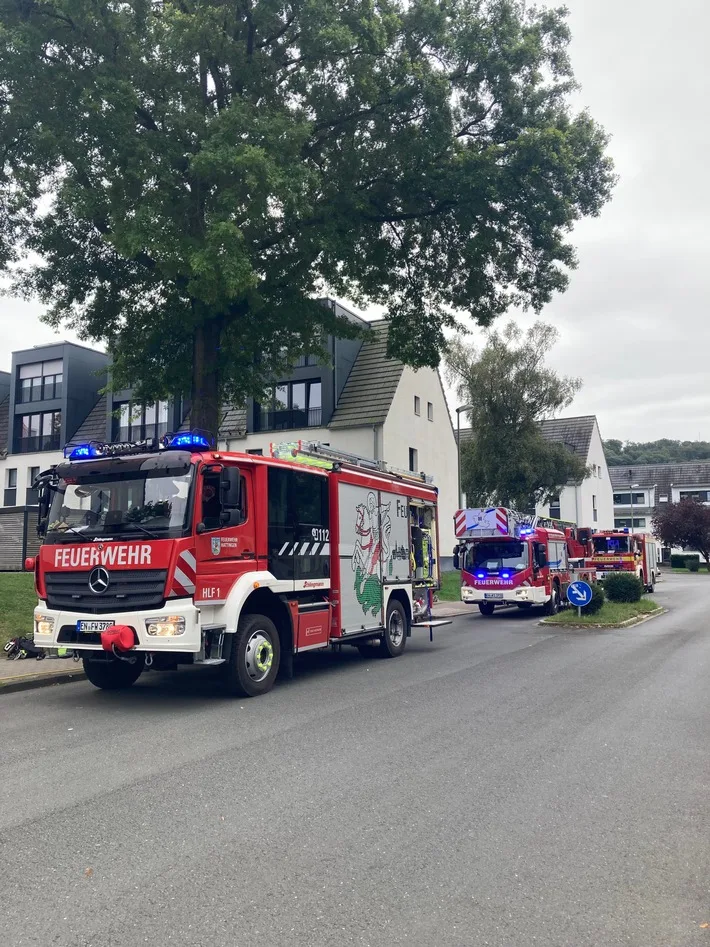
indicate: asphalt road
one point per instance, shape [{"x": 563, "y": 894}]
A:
[{"x": 504, "y": 786}]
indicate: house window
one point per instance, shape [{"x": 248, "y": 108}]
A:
[
  {"x": 294, "y": 404},
  {"x": 417, "y": 405},
  {"x": 136, "y": 422},
  {"x": 555, "y": 508},
  {"x": 624, "y": 499},
  {"x": 10, "y": 496},
  {"x": 414, "y": 460},
  {"x": 595, "y": 515},
  {"x": 257, "y": 452},
  {"x": 623, "y": 523},
  {"x": 703, "y": 496},
  {"x": 35, "y": 432},
  {"x": 430, "y": 410},
  {"x": 31, "y": 498},
  {"x": 40, "y": 381}
]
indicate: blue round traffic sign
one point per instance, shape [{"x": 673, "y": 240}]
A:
[{"x": 579, "y": 594}]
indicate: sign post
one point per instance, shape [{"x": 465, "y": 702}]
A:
[{"x": 579, "y": 594}]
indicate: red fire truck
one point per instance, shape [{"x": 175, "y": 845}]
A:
[
  {"x": 162, "y": 554},
  {"x": 508, "y": 558},
  {"x": 622, "y": 551}
]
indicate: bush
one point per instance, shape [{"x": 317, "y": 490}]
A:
[
  {"x": 693, "y": 565},
  {"x": 623, "y": 587},
  {"x": 680, "y": 560},
  {"x": 597, "y": 600}
]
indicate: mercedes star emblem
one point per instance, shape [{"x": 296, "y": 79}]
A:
[{"x": 98, "y": 580}]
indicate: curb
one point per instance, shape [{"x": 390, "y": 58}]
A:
[
  {"x": 31, "y": 681},
  {"x": 637, "y": 620}
]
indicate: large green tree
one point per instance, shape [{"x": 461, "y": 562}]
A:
[
  {"x": 505, "y": 459},
  {"x": 181, "y": 179},
  {"x": 663, "y": 451}
]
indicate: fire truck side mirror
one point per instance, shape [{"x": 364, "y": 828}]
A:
[
  {"x": 541, "y": 555},
  {"x": 44, "y": 497},
  {"x": 457, "y": 562},
  {"x": 231, "y": 489}
]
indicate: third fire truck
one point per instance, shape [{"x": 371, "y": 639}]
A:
[
  {"x": 619, "y": 550},
  {"x": 508, "y": 558}
]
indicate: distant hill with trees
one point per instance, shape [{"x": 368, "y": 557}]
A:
[{"x": 665, "y": 451}]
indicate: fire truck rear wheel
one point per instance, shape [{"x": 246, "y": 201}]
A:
[
  {"x": 486, "y": 608},
  {"x": 394, "y": 638},
  {"x": 254, "y": 659},
  {"x": 113, "y": 675}
]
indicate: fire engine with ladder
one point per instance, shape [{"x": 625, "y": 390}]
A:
[
  {"x": 510, "y": 558},
  {"x": 156, "y": 554}
]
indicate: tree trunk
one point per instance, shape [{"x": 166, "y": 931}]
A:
[{"x": 205, "y": 408}]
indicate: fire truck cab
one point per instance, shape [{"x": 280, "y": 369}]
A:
[
  {"x": 622, "y": 551},
  {"x": 159, "y": 554},
  {"x": 508, "y": 558}
]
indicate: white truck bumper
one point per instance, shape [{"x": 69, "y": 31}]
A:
[
  {"x": 64, "y": 634},
  {"x": 525, "y": 594}
]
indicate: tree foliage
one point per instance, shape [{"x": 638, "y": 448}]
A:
[
  {"x": 685, "y": 524},
  {"x": 506, "y": 460},
  {"x": 664, "y": 451},
  {"x": 181, "y": 178}
]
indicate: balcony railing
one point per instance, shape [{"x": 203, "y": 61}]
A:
[
  {"x": 49, "y": 390},
  {"x": 27, "y": 445},
  {"x": 31, "y": 497},
  {"x": 289, "y": 420}
]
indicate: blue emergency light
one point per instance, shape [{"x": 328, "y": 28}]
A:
[
  {"x": 83, "y": 451},
  {"x": 189, "y": 439},
  {"x": 480, "y": 575}
]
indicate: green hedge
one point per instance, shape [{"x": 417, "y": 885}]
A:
[
  {"x": 623, "y": 587},
  {"x": 680, "y": 560},
  {"x": 693, "y": 565},
  {"x": 597, "y": 600}
]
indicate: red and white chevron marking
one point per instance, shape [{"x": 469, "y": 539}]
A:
[
  {"x": 502, "y": 520},
  {"x": 459, "y": 522},
  {"x": 184, "y": 577}
]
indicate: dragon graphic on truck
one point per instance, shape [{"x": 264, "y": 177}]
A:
[{"x": 373, "y": 528}]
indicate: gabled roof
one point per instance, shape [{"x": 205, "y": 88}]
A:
[
  {"x": 574, "y": 433},
  {"x": 93, "y": 427},
  {"x": 4, "y": 424},
  {"x": 371, "y": 385},
  {"x": 694, "y": 474}
]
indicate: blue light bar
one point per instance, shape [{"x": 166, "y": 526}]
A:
[
  {"x": 191, "y": 440},
  {"x": 83, "y": 451},
  {"x": 505, "y": 575},
  {"x": 526, "y": 531},
  {"x": 480, "y": 575}
]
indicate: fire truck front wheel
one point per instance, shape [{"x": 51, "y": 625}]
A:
[
  {"x": 553, "y": 605},
  {"x": 254, "y": 658},
  {"x": 486, "y": 608},
  {"x": 114, "y": 675}
]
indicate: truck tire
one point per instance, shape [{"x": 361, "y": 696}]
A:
[
  {"x": 254, "y": 657},
  {"x": 524, "y": 606},
  {"x": 394, "y": 638},
  {"x": 486, "y": 608},
  {"x": 553, "y": 606},
  {"x": 652, "y": 587},
  {"x": 113, "y": 675}
]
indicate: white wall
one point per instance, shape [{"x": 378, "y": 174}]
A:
[
  {"x": 22, "y": 464},
  {"x": 433, "y": 440}
]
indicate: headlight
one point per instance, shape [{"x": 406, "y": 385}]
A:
[
  {"x": 44, "y": 625},
  {"x": 166, "y": 626}
]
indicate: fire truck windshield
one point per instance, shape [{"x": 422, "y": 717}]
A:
[
  {"x": 611, "y": 545},
  {"x": 137, "y": 502},
  {"x": 493, "y": 556}
]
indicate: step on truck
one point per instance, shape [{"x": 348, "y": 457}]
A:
[
  {"x": 619, "y": 550},
  {"x": 510, "y": 558},
  {"x": 157, "y": 554}
]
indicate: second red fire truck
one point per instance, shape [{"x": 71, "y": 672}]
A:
[
  {"x": 617, "y": 550},
  {"x": 508, "y": 558}
]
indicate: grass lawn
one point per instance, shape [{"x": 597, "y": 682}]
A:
[
  {"x": 611, "y": 613},
  {"x": 702, "y": 571},
  {"x": 450, "y": 590},
  {"x": 17, "y": 602}
]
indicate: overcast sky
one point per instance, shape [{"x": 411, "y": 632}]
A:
[{"x": 634, "y": 322}]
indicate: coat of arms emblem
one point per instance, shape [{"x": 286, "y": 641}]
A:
[{"x": 216, "y": 545}]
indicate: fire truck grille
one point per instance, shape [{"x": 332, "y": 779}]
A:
[{"x": 127, "y": 591}]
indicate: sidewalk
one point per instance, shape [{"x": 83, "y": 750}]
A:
[
  {"x": 452, "y": 610},
  {"x": 23, "y": 675}
]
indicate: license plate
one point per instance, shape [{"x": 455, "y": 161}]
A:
[
  {"x": 91, "y": 627},
  {"x": 493, "y": 595}
]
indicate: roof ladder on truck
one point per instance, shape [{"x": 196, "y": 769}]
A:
[{"x": 320, "y": 454}]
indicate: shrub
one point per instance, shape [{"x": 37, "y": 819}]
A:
[
  {"x": 597, "y": 600},
  {"x": 623, "y": 587},
  {"x": 680, "y": 560},
  {"x": 693, "y": 565}
]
